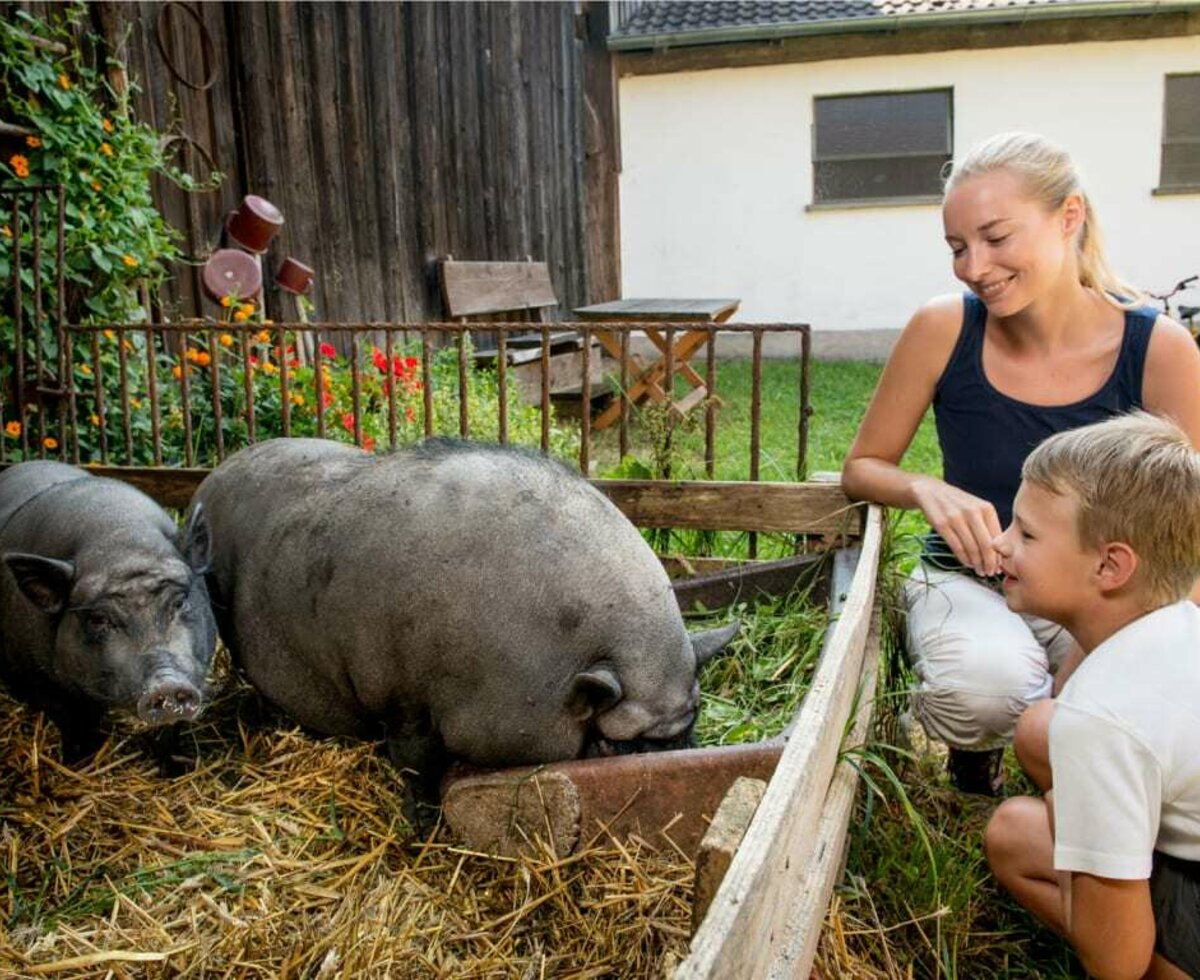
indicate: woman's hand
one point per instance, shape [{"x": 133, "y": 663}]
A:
[{"x": 967, "y": 523}]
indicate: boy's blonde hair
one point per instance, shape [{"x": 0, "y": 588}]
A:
[
  {"x": 1136, "y": 479},
  {"x": 1049, "y": 176}
]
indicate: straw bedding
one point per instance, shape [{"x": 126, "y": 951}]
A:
[
  {"x": 275, "y": 854},
  {"x": 251, "y": 848}
]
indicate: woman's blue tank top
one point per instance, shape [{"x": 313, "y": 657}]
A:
[{"x": 985, "y": 435}]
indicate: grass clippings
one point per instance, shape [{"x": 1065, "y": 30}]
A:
[{"x": 752, "y": 690}]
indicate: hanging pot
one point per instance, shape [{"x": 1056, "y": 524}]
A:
[
  {"x": 254, "y": 223},
  {"x": 294, "y": 276},
  {"x": 231, "y": 272}
]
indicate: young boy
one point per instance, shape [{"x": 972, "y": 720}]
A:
[{"x": 1105, "y": 539}]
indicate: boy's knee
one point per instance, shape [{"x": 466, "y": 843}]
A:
[
  {"x": 1031, "y": 740},
  {"x": 1008, "y": 833}
]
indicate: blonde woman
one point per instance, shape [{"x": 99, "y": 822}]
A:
[{"x": 1046, "y": 339}]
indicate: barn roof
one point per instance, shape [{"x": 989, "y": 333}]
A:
[{"x": 662, "y": 23}]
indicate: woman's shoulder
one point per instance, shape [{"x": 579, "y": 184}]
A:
[
  {"x": 936, "y": 324},
  {"x": 929, "y": 338}
]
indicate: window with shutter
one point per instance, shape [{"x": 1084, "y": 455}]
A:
[
  {"x": 881, "y": 147},
  {"x": 1180, "y": 171}
]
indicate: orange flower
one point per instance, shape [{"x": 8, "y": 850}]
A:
[
  {"x": 130, "y": 261},
  {"x": 227, "y": 301},
  {"x": 177, "y": 372},
  {"x": 19, "y": 164},
  {"x": 106, "y": 149},
  {"x": 50, "y": 442},
  {"x": 106, "y": 125},
  {"x": 226, "y": 340},
  {"x": 297, "y": 399},
  {"x": 109, "y": 335},
  {"x": 368, "y": 444},
  {"x": 64, "y": 83},
  {"x": 95, "y": 419},
  {"x": 135, "y": 402},
  {"x": 269, "y": 368},
  {"x": 33, "y": 141},
  {"x": 203, "y": 358},
  {"x": 13, "y": 429},
  {"x": 85, "y": 369},
  {"x": 97, "y": 186},
  {"x": 241, "y": 316},
  {"x": 263, "y": 336}
]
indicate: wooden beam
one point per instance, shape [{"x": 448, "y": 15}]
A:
[
  {"x": 911, "y": 40},
  {"x": 800, "y": 508},
  {"x": 807, "y": 508},
  {"x": 797, "y": 948},
  {"x": 745, "y": 932}
]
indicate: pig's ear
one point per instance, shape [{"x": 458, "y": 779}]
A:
[
  {"x": 711, "y": 642},
  {"x": 46, "y": 582},
  {"x": 197, "y": 540},
  {"x": 593, "y": 691}
]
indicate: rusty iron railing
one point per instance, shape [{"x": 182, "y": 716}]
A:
[{"x": 129, "y": 376}]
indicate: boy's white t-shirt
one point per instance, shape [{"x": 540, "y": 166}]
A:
[{"x": 1125, "y": 749}]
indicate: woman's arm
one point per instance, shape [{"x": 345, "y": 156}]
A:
[{"x": 905, "y": 390}]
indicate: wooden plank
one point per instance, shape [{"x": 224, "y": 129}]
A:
[
  {"x": 743, "y": 931},
  {"x": 600, "y": 209},
  {"x": 801, "y": 508},
  {"x": 808, "y": 508},
  {"x": 721, "y": 840},
  {"x": 806, "y": 914},
  {"x": 471, "y": 288}
]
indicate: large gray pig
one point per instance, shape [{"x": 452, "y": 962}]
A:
[
  {"x": 99, "y": 606},
  {"x": 463, "y": 601}
]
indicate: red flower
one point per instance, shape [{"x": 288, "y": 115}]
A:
[
  {"x": 326, "y": 399},
  {"x": 328, "y": 350},
  {"x": 348, "y": 421},
  {"x": 409, "y": 414},
  {"x": 411, "y": 363},
  {"x": 380, "y": 361},
  {"x": 368, "y": 444},
  {"x": 254, "y": 360}
]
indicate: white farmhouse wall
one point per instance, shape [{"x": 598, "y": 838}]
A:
[{"x": 717, "y": 174}]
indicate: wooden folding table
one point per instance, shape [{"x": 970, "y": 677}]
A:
[{"x": 648, "y": 381}]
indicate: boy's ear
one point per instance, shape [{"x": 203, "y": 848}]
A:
[{"x": 1118, "y": 563}]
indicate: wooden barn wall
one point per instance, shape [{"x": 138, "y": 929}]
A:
[{"x": 389, "y": 135}]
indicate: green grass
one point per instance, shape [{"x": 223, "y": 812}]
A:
[
  {"x": 917, "y": 899},
  {"x": 751, "y": 691}
]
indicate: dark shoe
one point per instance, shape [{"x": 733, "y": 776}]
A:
[{"x": 977, "y": 772}]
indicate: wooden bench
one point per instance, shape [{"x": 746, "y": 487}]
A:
[{"x": 479, "y": 292}]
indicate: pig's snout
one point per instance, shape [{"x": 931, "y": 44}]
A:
[{"x": 166, "y": 701}]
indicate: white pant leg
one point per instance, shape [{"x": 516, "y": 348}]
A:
[{"x": 979, "y": 665}]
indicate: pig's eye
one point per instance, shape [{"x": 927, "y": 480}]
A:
[
  {"x": 180, "y": 604},
  {"x": 97, "y": 622}
]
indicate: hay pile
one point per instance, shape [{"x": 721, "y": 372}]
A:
[{"x": 275, "y": 854}]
